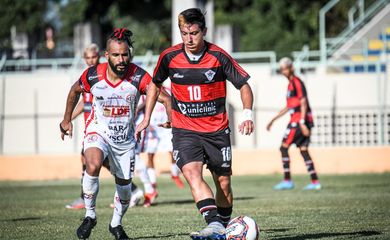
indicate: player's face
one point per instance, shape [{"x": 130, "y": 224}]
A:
[
  {"x": 118, "y": 57},
  {"x": 91, "y": 58},
  {"x": 192, "y": 37},
  {"x": 286, "y": 70}
]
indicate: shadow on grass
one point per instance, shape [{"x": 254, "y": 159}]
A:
[
  {"x": 22, "y": 219},
  {"x": 324, "y": 235},
  {"x": 161, "y": 236},
  {"x": 191, "y": 201},
  {"x": 275, "y": 230}
]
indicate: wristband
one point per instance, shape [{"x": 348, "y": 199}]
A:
[
  {"x": 302, "y": 121},
  {"x": 246, "y": 115},
  {"x": 63, "y": 130}
]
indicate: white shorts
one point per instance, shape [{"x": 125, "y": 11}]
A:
[
  {"x": 150, "y": 141},
  {"x": 165, "y": 144},
  {"x": 121, "y": 158}
]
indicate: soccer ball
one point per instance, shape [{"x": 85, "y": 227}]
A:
[{"x": 242, "y": 228}]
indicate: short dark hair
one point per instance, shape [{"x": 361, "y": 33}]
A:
[
  {"x": 122, "y": 35},
  {"x": 192, "y": 16}
]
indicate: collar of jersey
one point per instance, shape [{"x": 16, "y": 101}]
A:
[{"x": 201, "y": 57}]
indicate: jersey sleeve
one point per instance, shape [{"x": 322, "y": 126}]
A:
[
  {"x": 83, "y": 81},
  {"x": 144, "y": 83},
  {"x": 233, "y": 71},
  {"x": 300, "y": 88},
  {"x": 161, "y": 72}
]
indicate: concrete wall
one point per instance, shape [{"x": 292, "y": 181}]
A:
[{"x": 44, "y": 93}]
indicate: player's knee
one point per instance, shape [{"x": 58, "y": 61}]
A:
[
  {"x": 284, "y": 151},
  {"x": 305, "y": 154},
  {"x": 93, "y": 169}
]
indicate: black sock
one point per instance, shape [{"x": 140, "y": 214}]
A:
[
  {"x": 286, "y": 163},
  {"x": 225, "y": 214},
  {"x": 309, "y": 165},
  {"x": 208, "y": 209}
]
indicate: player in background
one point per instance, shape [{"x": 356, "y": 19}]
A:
[
  {"x": 198, "y": 71},
  {"x": 298, "y": 129},
  {"x": 91, "y": 58},
  {"x": 116, "y": 87}
]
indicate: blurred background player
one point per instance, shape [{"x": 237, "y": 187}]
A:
[
  {"x": 91, "y": 57},
  {"x": 201, "y": 135},
  {"x": 298, "y": 129}
]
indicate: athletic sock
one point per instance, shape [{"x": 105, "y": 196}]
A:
[
  {"x": 225, "y": 214},
  {"x": 143, "y": 174},
  {"x": 175, "y": 171},
  {"x": 152, "y": 177},
  {"x": 90, "y": 189},
  {"x": 121, "y": 202},
  {"x": 208, "y": 209},
  {"x": 286, "y": 163},
  {"x": 310, "y": 166}
]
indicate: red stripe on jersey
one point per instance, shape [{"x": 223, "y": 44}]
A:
[
  {"x": 243, "y": 73},
  {"x": 165, "y": 52},
  {"x": 199, "y": 93},
  {"x": 87, "y": 97},
  {"x": 84, "y": 80},
  {"x": 203, "y": 124},
  {"x": 144, "y": 83},
  {"x": 89, "y": 120},
  {"x": 291, "y": 136},
  {"x": 181, "y": 61}
]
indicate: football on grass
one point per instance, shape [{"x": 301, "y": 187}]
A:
[{"x": 242, "y": 228}]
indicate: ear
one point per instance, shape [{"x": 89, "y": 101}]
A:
[
  {"x": 204, "y": 31},
  {"x": 106, "y": 54}
]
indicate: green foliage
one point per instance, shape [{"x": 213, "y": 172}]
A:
[
  {"x": 72, "y": 13},
  {"x": 282, "y": 26},
  {"x": 26, "y": 15}
]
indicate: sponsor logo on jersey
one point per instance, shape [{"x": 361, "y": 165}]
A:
[
  {"x": 101, "y": 98},
  {"x": 93, "y": 77},
  {"x": 119, "y": 138},
  {"x": 178, "y": 75},
  {"x": 116, "y": 111},
  {"x": 198, "y": 109},
  {"x": 210, "y": 75},
  {"x": 136, "y": 78},
  {"x": 102, "y": 87},
  {"x": 117, "y": 129},
  {"x": 131, "y": 98},
  {"x": 92, "y": 138}
]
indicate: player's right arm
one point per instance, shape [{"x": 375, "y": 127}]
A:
[
  {"x": 280, "y": 114},
  {"x": 79, "y": 109},
  {"x": 66, "y": 126}
]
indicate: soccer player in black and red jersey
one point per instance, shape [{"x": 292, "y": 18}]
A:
[
  {"x": 299, "y": 128},
  {"x": 198, "y": 71}
]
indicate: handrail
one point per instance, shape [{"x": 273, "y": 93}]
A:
[{"x": 353, "y": 25}]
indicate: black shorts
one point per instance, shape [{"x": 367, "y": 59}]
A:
[
  {"x": 213, "y": 149},
  {"x": 293, "y": 134}
]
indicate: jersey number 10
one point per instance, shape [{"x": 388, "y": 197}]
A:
[{"x": 195, "y": 93}]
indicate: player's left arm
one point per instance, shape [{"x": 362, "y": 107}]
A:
[
  {"x": 246, "y": 125},
  {"x": 302, "y": 95}
]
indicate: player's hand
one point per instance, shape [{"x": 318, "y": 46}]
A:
[
  {"x": 246, "y": 127},
  {"x": 138, "y": 130},
  {"x": 269, "y": 125},
  {"x": 305, "y": 130},
  {"x": 165, "y": 125},
  {"x": 66, "y": 128}
]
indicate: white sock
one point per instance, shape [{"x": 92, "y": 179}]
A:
[
  {"x": 90, "y": 189},
  {"x": 121, "y": 202},
  {"x": 152, "y": 175},
  {"x": 142, "y": 172},
  {"x": 175, "y": 171}
]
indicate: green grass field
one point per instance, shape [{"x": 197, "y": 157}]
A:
[{"x": 348, "y": 207}]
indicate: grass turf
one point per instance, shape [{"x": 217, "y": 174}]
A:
[{"x": 348, "y": 207}]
